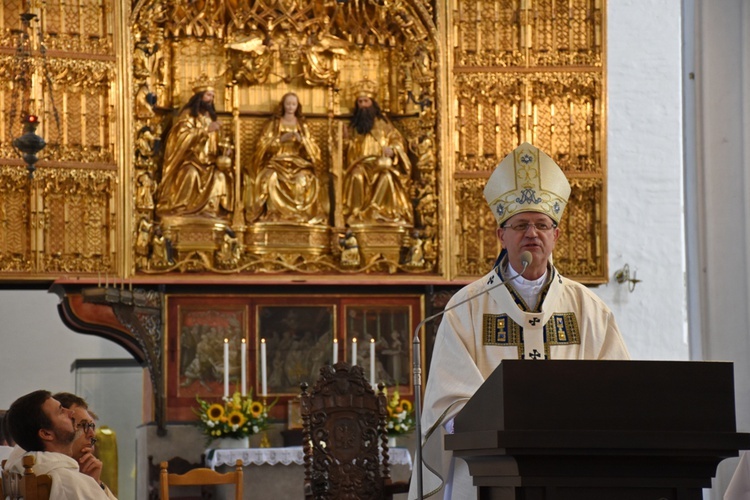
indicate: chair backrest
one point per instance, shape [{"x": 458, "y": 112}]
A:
[
  {"x": 28, "y": 485},
  {"x": 175, "y": 465},
  {"x": 201, "y": 476},
  {"x": 344, "y": 436}
]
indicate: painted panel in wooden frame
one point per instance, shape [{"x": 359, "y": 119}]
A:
[
  {"x": 196, "y": 329},
  {"x": 299, "y": 337},
  {"x": 390, "y": 322}
]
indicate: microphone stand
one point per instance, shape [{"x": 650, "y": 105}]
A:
[{"x": 417, "y": 367}]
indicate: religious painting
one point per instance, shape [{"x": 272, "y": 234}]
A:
[
  {"x": 202, "y": 330},
  {"x": 389, "y": 329},
  {"x": 299, "y": 340}
]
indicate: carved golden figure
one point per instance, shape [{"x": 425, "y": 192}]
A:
[
  {"x": 378, "y": 171},
  {"x": 144, "y": 194},
  {"x": 282, "y": 183},
  {"x": 196, "y": 179},
  {"x": 349, "y": 249},
  {"x": 320, "y": 52},
  {"x": 252, "y": 62}
]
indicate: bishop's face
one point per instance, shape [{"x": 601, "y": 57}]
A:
[{"x": 528, "y": 237}]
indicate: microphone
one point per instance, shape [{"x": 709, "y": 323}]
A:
[{"x": 526, "y": 259}]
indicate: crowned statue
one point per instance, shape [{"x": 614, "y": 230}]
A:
[
  {"x": 196, "y": 176},
  {"x": 377, "y": 175},
  {"x": 283, "y": 180}
]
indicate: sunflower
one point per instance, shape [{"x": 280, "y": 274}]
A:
[
  {"x": 256, "y": 409},
  {"x": 236, "y": 418},
  {"x": 406, "y": 405},
  {"x": 215, "y": 412}
]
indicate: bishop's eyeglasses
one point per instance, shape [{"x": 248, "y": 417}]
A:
[{"x": 524, "y": 226}]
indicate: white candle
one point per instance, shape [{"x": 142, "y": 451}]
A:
[
  {"x": 263, "y": 377},
  {"x": 335, "y": 351},
  {"x": 354, "y": 351},
  {"x": 243, "y": 356},
  {"x": 226, "y": 368},
  {"x": 372, "y": 362}
]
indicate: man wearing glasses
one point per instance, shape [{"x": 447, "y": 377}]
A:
[
  {"x": 42, "y": 426},
  {"x": 537, "y": 314},
  {"x": 83, "y": 446}
]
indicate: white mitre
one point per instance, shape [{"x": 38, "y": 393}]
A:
[{"x": 527, "y": 180}]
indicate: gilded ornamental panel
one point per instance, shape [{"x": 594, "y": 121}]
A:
[{"x": 458, "y": 85}]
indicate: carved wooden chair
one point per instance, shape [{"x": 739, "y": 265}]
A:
[
  {"x": 344, "y": 438},
  {"x": 28, "y": 485},
  {"x": 175, "y": 465},
  {"x": 201, "y": 476}
]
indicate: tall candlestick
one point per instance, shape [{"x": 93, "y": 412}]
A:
[
  {"x": 263, "y": 374},
  {"x": 226, "y": 368},
  {"x": 335, "y": 351},
  {"x": 354, "y": 351},
  {"x": 372, "y": 362},
  {"x": 243, "y": 357}
]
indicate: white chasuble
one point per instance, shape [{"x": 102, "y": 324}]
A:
[{"x": 475, "y": 337}]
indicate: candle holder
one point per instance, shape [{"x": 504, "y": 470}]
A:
[{"x": 264, "y": 442}]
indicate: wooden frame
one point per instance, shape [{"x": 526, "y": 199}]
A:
[
  {"x": 312, "y": 321},
  {"x": 298, "y": 341},
  {"x": 390, "y": 326}
]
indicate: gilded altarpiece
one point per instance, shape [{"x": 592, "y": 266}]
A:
[
  {"x": 528, "y": 71},
  {"x": 63, "y": 220},
  {"x": 462, "y": 82},
  {"x": 316, "y": 209}
]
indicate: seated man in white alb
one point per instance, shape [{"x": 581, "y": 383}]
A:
[{"x": 40, "y": 424}]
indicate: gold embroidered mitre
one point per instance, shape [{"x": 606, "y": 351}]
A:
[
  {"x": 527, "y": 180},
  {"x": 366, "y": 88},
  {"x": 203, "y": 84}
]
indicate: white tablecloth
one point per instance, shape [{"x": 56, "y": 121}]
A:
[
  {"x": 283, "y": 456},
  {"x": 280, "y": 473}
]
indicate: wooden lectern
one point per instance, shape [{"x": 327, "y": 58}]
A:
[{"x": 598, "y": 430}]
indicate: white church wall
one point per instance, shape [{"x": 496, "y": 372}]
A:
[
  {"x": 722, "y": 87},
  {"x": 37, "y": 349},
  {"x": 645, "y": 188}
]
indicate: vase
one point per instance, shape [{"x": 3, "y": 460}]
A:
[{"x": 231, "y": 443}]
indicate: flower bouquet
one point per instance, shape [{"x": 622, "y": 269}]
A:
[
  {"x": 400, "y": 415},
  {"x": 237, "y": 417}
]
